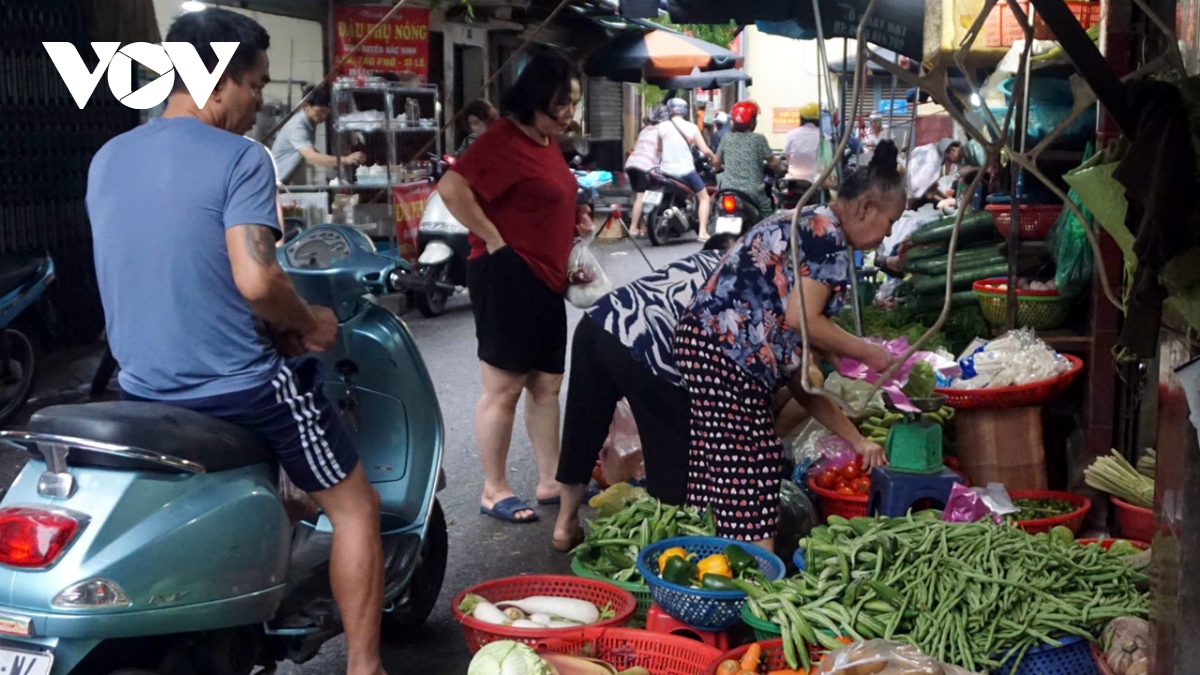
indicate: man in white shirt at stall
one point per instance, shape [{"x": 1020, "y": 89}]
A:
[{"x": 294, "y": 146}]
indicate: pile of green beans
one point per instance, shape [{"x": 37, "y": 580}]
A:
[
  {"x": 612, "y": 544},
  {"x": 975, "y": 595}
]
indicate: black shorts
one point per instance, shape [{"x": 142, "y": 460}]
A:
[
  {"x": 293, "y": 419},
  {"x": 639, "y": 181},
  {"x": 520, "y": 322}
]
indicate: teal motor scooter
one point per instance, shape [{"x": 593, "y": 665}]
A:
[{"x": 142, "y": 538}]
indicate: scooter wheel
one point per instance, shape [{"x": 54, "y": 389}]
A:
[
  {"x": 434, "y": 303},
  {"x": 421, "y": 596},
  {"x": 659, "y": 228}
]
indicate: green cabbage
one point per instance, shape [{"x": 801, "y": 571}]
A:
[
  {"x": 507, "y": 658},
  {"x": 921, "y": 381}
]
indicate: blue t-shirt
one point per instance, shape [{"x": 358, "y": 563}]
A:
[{"x": 160, "y": 198}]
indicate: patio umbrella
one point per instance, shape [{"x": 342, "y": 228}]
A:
[
  {"x": 658, "y": 54},
  {"x": 713, "y": 79}
]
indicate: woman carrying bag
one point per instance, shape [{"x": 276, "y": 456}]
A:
[{"x": 683, "y": 145}]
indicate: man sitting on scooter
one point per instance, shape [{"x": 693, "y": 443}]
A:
[{"x": 184, "y": 222}]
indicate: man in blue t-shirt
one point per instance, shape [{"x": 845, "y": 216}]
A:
[{"x": 184, "y": 223}]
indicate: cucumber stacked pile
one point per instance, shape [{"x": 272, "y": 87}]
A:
[{"x": 979, "y": 256}]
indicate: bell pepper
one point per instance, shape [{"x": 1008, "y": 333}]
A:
[
  {"x": 739, "y": 559},
  {"x": 715, "y": 564},
  {"x": 716, "y": 582},
  {"x": 679, "y": 571},
  {"x": 677, "y": 552}
]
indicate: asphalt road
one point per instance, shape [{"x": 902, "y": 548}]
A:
[{"x": 481, "y": 548}]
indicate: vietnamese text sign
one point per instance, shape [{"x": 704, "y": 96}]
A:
[
  {"x": 410, "y": 199},
  {"x": 401, "y": 45},
  {"x": 784, "y": 120}
]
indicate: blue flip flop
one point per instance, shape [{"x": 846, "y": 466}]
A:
[
  {"x": 506, "y": 510},
  {"x": 556, "y": 501}
]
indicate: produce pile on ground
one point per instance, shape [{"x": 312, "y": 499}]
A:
[
  {"x": 978, "y": 257},
  {"x": 513, "y": 658},
  {"x": 612, "y": 545},
  {"x": 1114, "y": 475},
  {"x": 977, "y": 595}
]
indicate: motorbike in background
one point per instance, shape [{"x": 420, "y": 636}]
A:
[
  {"x": 670, "y": 208},
  {"x": 145, "y": 539},
  {"x": 733, "y": 212},
  {"x": 25, "y": 313}
]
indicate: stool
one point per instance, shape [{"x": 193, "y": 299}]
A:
[
  {"x": 658, "y": 621},
  {"x": 894, "y": 492}
]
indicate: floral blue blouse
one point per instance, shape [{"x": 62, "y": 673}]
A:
[{"x": 744, "y": 305}]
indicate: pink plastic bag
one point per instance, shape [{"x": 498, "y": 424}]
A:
[
  {"x": 965, "y": 506},
  {"x": 859, "y": 371},
  {"x": 621, "y": 456}
]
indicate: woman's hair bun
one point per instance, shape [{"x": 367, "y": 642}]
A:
[{"x": 886, "y": 157}]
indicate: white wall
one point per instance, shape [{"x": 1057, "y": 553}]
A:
[{"x": 785, "y": 75}]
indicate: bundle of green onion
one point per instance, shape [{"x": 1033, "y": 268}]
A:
[{"x": 1114, "y": 475}]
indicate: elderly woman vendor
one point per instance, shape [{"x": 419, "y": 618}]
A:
[{"x": 740, "y": 343}]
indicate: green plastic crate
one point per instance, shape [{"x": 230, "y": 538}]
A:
[
  {"x": 915, "y": 447},
  {"x": 640, "y": 592}
]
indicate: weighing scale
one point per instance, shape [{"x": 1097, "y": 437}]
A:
[{"x": 914, "y": 445}]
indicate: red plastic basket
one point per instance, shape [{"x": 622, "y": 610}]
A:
[
  {"x": 1017, "y": 396},
  {"x": 772, "y": 656},
  {"x": 625, "y": 648},
  {"x": 478, "y": 633},
  {"x": 1002, "y": 27},
  {"x": 834, "y": 504},
  {"x": 1072, "y": 520},
  {"x": 1107, "y": 543},
  {"x": 1036, "y": 219},
  {"x": 1136, "y": 522}
]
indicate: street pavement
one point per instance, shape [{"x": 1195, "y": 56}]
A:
[{"x": 481, "y": 548}]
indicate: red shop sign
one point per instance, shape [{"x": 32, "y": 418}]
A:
[
  {"x": 401, "y": 45},
  {"x": 410, "y": 199}
]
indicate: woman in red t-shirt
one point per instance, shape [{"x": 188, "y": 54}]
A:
[{"x": 515, "y": 193}]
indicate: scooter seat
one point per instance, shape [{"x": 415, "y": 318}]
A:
[
  {"x": 156, "y": 427},
  {"x": 15, "y": 270}
]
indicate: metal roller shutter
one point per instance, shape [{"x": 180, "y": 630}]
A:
[{"x": 605, "y": 105}]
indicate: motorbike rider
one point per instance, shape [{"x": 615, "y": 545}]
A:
[
  {"x": 676, "y": 138},
  {"x": 185, "y": 275},
  {"x": 803, "y": 147},
  {"x": 742, "y": 154}
]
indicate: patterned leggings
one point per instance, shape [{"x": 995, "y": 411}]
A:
[{"x": 735, "y": 458}]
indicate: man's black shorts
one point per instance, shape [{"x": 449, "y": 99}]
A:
[{"x": 520, "y": 322}]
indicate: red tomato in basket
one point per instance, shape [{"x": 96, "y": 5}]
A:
[
  {"x": 862, "y": 485},
  {"x": 846, "y": 490},
  {"x": 850, "y": 471},
  {"x": 858, "y": 462},
  {"x": 828, "y": 478}
]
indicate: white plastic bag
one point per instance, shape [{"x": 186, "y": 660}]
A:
[
  {"x": 587, "y": 281},
  {"x": 621, "y": 457}
]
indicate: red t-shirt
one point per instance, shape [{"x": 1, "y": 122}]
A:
[{"x": 528, "y": 191}]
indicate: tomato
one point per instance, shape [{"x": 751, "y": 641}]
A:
[
  {"x": 862, "y": 485},
  {"x": 828, "y": 478},
  {"x": 850, "y": 471},
  {"x": 846, "y": 490},
  {"x": 858, "y": 462},
  {"x": 951, "y": 461}
]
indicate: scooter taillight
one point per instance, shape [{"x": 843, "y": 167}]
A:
[
  {"x": 32, "y": 538},
  {"x": 729, "y": 203}
]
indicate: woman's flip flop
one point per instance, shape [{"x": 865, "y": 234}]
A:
[{"x": 507, "y": 509}]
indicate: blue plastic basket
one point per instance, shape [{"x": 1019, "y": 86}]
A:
[
  {"x": 799, "y": 559},
  {"x": 702, "y": 609},
  {"x": 1073, "y": 658}
]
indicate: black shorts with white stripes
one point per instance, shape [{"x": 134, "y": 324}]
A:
[{"x": 294, "y": 419}]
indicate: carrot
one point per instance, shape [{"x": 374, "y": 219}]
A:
[
  {"x": 751, "y": 658},
  {"x": 789, "y": 672}
]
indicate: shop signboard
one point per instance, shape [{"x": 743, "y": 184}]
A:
[
  {"x": 410, "y": 199},
  {"x": 897, "y": 106},
  {"x": 400, "y": 45},
  {"x": 784, "y": 120}
]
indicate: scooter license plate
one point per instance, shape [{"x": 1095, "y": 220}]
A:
[
  {"x": 652, "y": 198},
  {"x": 13, "y": 662},
  {"x": 726, "y": 225}
]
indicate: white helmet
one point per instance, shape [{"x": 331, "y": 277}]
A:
[{"x": 677, "y": 106}]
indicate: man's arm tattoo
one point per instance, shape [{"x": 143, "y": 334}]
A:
[{"x": 260, "y": 244}]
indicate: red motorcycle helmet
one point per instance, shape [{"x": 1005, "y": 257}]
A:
[{"x": 744, "y": 113}]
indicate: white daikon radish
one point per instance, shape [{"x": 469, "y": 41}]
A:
[
  {"x": 570, "y": 609},
  {"x": 526, "y": 623},
  {"x": 514, "y": 614},
  {"x": 563, "y": 624},
  {"x": 541, "y": 618},
  {"x": 483, "y": 610}
]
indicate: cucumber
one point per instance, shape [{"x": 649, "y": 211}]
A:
[
  {"x": 963, "y": 278},
  {"x": 934, "y": 302},
  {"x": 975, "y": 226},
  {"x": 965, "y": 252},
  {"x": 964, "y": 260},
  {"x": 923, "y": 252}
]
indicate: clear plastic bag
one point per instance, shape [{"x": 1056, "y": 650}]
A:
[
  {"x": 621, "y": 456},
  {"x": 587, "y": 281},
  {"x": 1018, "y": 357},
  {"x": 882, "y": 657}
]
